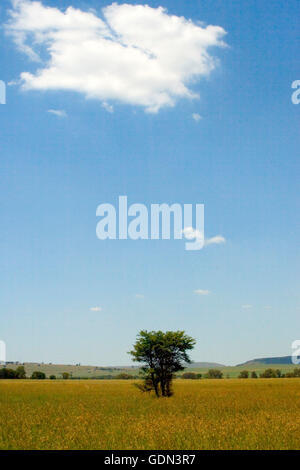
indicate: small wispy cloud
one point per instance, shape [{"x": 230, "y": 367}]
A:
[
  {"x": 139, "y": 296},
  {"x": 196, "y": 117},
  {"x": 191, "y": 233},
  {"x": 109, "y": 107},
  {"x": 246, "y": 306},
  {"x": 268, "y": 307},
  {"x": 14, "y": 82},
  {"x": 202, "y": 292},
  {"x": 58, "y": 112},
  {"x": 95, "y": 309},
  {"x": 217, "y": 240}
]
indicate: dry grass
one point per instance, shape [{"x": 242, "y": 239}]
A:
[{"x": 205, "y": 414}]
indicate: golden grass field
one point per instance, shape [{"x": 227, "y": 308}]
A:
[{"x": 203, "y": 414}]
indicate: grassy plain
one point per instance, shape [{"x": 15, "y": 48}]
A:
[{"x": 203, "y": 414}]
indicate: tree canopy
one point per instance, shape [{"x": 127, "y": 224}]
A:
[
  {"x": 162, "y": 354},
  {"x": 38, "y": 375}
]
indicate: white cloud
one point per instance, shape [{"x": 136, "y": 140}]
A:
[
  {"x": 246, "y": 306},
  {"x": 14, "y": 82},
  {"x": 109, "y": 107},
  {"x": 217, "y": 240},
  {"x": 95, "y": 309},
  {"x": 202, "y": 292},
  {"x": 58, "y": 112},
  {"x": 139, "y": 296},
  {"x": 134, "y": 54},
  {"x": 196, "y": 117},
  {"x": 191, "y": 233},
  {"x": 268, "y": 307}
]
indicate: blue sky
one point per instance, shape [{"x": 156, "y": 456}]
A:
[{"x": 241, "y": 159}]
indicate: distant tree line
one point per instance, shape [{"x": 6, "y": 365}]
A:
[
  {"x": 211, "y": 374},
  {"x": 19, "y": 373},
  {"x": 190, "y": 375},
  {"x": 244, "y": 374},
  {"x": 270, "y": 374}
]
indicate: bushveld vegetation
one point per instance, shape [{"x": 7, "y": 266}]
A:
[
  {"x": 191, "y": 375},
  {"x": 113, "y": 414},
  {"x": 214, "y": 374},
  {"x": 37, "y": 375}
]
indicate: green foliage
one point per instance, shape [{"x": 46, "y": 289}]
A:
[
  {"x": 65, "y": 375},
  {"x": 244, "y": 374},
  {"x": 162, "y": 354},
  {"x": 123, "y": 376},
  {"x": 7, "y": 373},
  {"x": 20, "y": 372},
  {"x": 253, "y": 375},
  {"x": 52, "y": 377},
  {"x": 271, "y": 374},
  {"x": 38, "y": 375},
  {"x": 191, "y": 375},
  {"x": 214, "y": 374},
  {"x": 295, "y": 373}
]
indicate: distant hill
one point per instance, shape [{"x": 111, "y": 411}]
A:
[
  {"x": 76, "y": 371},
  {"x": 89, "y": 371},
  {"x": 204, "y": 365},
  {"x": 268, "y": 360}
]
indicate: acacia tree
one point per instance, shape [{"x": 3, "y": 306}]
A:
[{"x": 162, "y": 354}]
